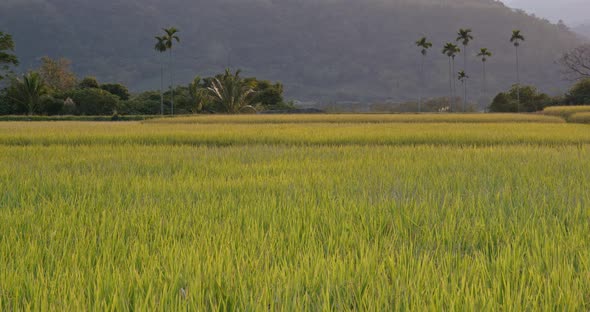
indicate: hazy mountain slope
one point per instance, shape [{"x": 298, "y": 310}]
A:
[
  {"x": 583, "y": 30},
  {"x": 321, "y": 49}
]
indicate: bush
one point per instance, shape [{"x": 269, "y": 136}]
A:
[
  {"x": 146, "y": 103},
  {"x": 531, "y": 100},
  {"x": 6, "y": 106},
  {"x": 579, "y": 94},
  {"x": 51, "y": 106},
  {"x": 94, "y": 101},
  {"x": 116, "y": 89},
  {"x": 88, "y": 83}
]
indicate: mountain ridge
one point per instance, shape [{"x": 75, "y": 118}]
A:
[{"x": 322, "y": 50}]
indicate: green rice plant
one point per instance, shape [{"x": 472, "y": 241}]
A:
[
  {"x": 294, "y": 216},
  {"x": 362, "y": 118},
  {"x": 227, "y": 134}
]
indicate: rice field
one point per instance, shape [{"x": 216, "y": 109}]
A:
[
  {"x": 282, "y": 213},
  {"x": 565, "y": 111},
  {"x": 580, "y": 118}
]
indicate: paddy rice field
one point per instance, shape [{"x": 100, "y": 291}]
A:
[{"x": 296, "y": 213}]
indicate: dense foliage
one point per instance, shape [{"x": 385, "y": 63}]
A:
[
  {"x": 579, "y": 94},
  {"x": 7, "y": 56},
  {"x": 531, "y": 100},
  {"x": 55, "y": 91}
]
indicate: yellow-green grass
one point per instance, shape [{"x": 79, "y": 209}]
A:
[
  {"x": 144, "y": 217},
  {"x": 580, "y": 118},
  {"x": 565, "y": 111},
  {"x": 81, "y": 133},
  {"x": 363, "y": 118}
]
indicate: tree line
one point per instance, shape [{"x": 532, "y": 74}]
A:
[
  {"x": 576, "y": 64},
  {"x": 53, "y": 89}
]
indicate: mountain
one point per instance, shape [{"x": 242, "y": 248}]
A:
[
  {"x": 583, "y": 29},
  {"x": 570, "y": 11},
  {"x": 322, "y": 50}
]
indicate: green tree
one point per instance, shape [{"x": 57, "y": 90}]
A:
[
  {"x": 198, "y": 94},
  {"x": 579, "y": 94},
  {"x": 451, "y": 51},
  {"x": 531, "y": 100},
  {"x": 484, "y": 54},
  {"x": 169, "y": 38},
  {"x": 424, "y": 45},
  {"x": 51, "y": 105},
  {"x": 89, "y": 83},
  {"x": 145, "y": 103},
  {"x": 93, "y": 101},
  {"x": 116, "y": 89},
  {"x": 462, "y": 76},
  {"x": 267, "y": 94},
  {"x": 516, "y": 39},
  {"x": 231, "y": 93},
  {"x": 7, "y": 58},
  {"x": 161, "y": 48},
  {"x": 27, "y": 92}
]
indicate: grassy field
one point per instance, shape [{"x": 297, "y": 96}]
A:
[
  {"x": 580, "y": 118},
  {"x": 565, "y": 111},
  {"x": 281, "y": 213}
]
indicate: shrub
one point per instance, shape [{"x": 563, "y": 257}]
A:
[
  {"x": 94, "y": 101},
  {"x": 89, "y": 83},
  {"x": 51, "y": 105},
  {"x": 579, "y": 94},
  {"x": 531, "y": 100},
  {"x": 116, "y": 89},
  {"x": 146, "y": 103}
]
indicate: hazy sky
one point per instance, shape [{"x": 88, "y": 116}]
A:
[{"x": 571, "y": 11}]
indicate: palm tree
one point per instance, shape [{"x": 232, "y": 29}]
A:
[
  {"x": 161, "y": 47},
  {"x": 231, "y": 92},
  {"x": 197, "y": 94},
  {"x": 169, "y": 39},
  {"x": 451, "y": 51},
  {"x": 516, "y": 38},
  {"x": 29, "y": 91},
  {"x": 424, "y": 44},
  {"x": 484, "y": 53},
  {"x": 463, "y": 78},
  {"x": 464, "y": 36}
]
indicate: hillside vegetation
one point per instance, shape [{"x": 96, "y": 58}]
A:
[{"x": 344, "y": 50}]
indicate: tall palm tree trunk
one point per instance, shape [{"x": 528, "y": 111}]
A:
[
  {"x": 484, "y": 85},
  {"x": 517, "y": 82},
  {"x": 171, "y": 85},
  {"x": 423, "y": 84},
  {"x": 454, "y": 84},
  {"x": 484, "y": 88},
  {"x": 450, "y": 85},
  {"x": 465, "y": 58},
  {"x": 465, "y": 70},
  {"x": 465, "y": 96},
  {"x": 162, "y": 86}
]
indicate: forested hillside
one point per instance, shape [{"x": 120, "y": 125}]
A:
[{"x": 322, "y": 50}]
